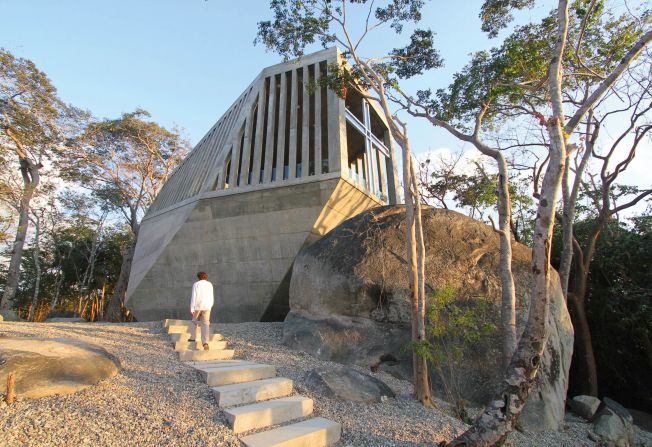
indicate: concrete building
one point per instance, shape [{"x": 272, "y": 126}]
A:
[{"x": 286, "y": 163}]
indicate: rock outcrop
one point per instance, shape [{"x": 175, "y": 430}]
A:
[
  {"x": 349, "y": 301},
  {"x": 44, "y": 367}
]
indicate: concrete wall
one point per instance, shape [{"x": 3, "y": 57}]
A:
[{"x": 245, "y": 241}]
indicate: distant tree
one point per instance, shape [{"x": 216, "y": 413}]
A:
[
  {"x": 124, "y": 163},
  {"x": 33, "y": 127}
]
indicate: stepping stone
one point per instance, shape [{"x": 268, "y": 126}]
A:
[
  {"x": 238, "y": 374},
  {"x": 249, "y": 392},
  {"x": 197, "y": 345},
  {"x": 268, "y": 413},
  {"x": 316, "y": 432},
  {"x": 184, "y": 336},
  {"x": 221, "y": 354}
]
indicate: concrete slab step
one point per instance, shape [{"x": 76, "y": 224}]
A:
[
  {"x": 184, "y": 336},
  {"x": 271, "y": 412},
  {"x": 249, "y": 392},
  {"x": 220, "y": 354},
  {"x": 237, "y": 374},
  {"x": 197, "y": 345},
  {"x": 316, "y": 432},
  {"x": 187, "y": 328},
  {"x": 212, "y": 364}
]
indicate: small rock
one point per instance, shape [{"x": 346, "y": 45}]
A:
[
  {"x": 584, "y": 406},
  {"x": 612, "y": 428},
  {"x": 619, "y": 410},
  {"x": 349, "y": 384}
]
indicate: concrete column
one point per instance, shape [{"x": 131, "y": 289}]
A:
[
  {"x": 293, "y": 126},
  {"x": 280, "y": 157},
  {"x": 260, "y": 129},
  {"x": 317, "y": 128},
  {"x": 305, "y": 124},
  {"x": 271, "y": 116},
  {"x": 392, "y": 170},
  {"x": 246, "y": 147}
]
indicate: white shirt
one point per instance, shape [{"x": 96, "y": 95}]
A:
[{"x": 202, "y": 296}]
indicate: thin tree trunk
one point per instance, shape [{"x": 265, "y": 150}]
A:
[
  {"x": 115, "y": 309},
  {"x": 425, "y": 396},
  {"x": 508, "y": 306},
  {"x": 413, "y": 274},
  {"x": 497, "y": 420},
  {"x": 37, "y": 268},
  {"x": 31, "y": 179},
  {"x": 584, "y": 366}
]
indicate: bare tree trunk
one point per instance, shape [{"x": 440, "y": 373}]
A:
[
  {"x": 499, "y": 417},
  {"x": 421, "y": 388},
  {"x": 37, "y": 268},
  {"x": 115, "y": 310},
  {"x": 424, "y": 393},
  {"x": 31, "y": 180},
  {"x": 584, "y": 365},
  {"x": 508, "y": 306}
]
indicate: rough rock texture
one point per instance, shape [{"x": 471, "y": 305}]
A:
[
  {"x": 349, "y": 301},
  {"x": 45, "y": 367},
  {"x": 584, "y": 406},
  {"x": 611, "y": 427},
  {"x": 65, "y": 320},
  {"x": 349, "y": 384},
  {"x": 8, "y": 315}
]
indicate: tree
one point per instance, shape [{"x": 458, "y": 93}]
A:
[
  {"x": 33, "y": 126},
  {"x": 297, "y": 24},
  {"x": 498, "y": 418},
  {"x": 124, "y": 163},
  {"x": 607, "y": 199}
]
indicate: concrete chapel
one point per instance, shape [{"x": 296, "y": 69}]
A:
[{"x": 285, "y": 164}]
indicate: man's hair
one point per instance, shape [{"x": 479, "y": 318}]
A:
[{"x": 202, "y": 275}]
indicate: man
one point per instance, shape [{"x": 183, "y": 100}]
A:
[{"x": 200, "y": 306}]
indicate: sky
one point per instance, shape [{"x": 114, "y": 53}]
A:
[{"x": 186, "y": 61}]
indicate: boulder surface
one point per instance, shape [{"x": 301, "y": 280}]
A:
[
  {"x": 349, "y": 301},
  {"x": 349, "y": 384},
  {"x": 44, "y": 367}
]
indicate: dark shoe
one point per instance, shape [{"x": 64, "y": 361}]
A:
[
  {"x": 205, "y": 346},
  {"x": 191, "y": 341}
]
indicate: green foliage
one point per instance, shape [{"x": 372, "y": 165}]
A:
[
  {"x": 511, "y": 80},
  {"x": 125, "y": 161},
  {"x": 298, "y": 24},
  {"x": 496, "y": 14},
  {"x": 29, "y": 107},
  {"x": 454, "y": 326}
]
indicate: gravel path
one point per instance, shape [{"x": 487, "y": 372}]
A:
[{"x": 158, "y": 401}]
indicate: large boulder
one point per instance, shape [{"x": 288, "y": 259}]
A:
[
  {"x": 44, "y": 367},
  {"x": 349, "y": 301}
]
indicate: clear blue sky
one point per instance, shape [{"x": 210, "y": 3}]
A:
[{"x": 186, "y": 61}]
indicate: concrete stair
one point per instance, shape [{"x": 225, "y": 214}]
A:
[
  {"x": 237, "y": 374},
  {"x": 271, "y": 412},
  {"x": 316, "y": 432},
  {"x": 196, "y": 345},
  {"x": 185, "y": 336},
  {"x": 252, "y": 395},
  {"x": 250, "y": 392},
  {"x": 194, "y": 355}
]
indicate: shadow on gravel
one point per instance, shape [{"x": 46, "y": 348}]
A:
[{"x": 350, "y": 436}]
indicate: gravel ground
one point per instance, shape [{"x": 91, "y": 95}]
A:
[{"x": 158, "y": 401}]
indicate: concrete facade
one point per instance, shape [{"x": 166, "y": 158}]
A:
[{"x": 285, "y": 164}]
